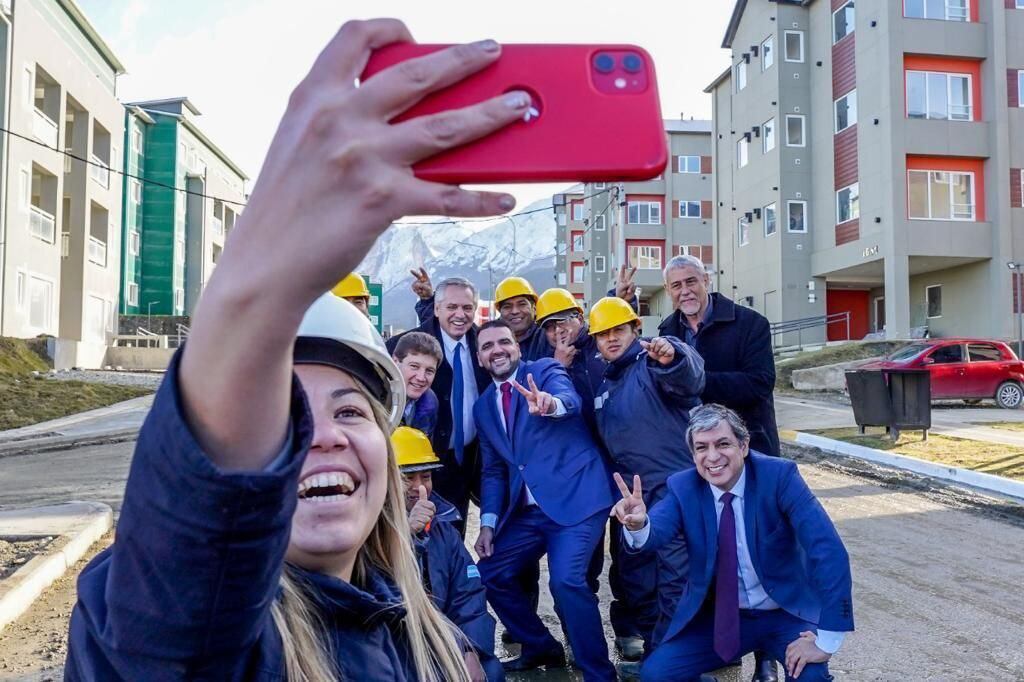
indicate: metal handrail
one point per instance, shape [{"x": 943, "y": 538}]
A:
[{"x": 779, "y": 328}]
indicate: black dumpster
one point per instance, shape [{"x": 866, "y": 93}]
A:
[{"x": 898, "y": 399}]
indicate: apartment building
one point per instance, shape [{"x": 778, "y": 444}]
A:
[
  {"x": 601, "y": 226},
  {"x": 867, "y": 159},
  {"x": 179, "y": 214},
  {"x": 60, "y": 213}
]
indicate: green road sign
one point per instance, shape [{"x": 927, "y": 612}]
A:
[{"x": 376, "y": 304}]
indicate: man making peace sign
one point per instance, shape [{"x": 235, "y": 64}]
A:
[{"x": 545, "y": 490}]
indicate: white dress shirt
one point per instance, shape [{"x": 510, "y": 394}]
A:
[
  {"x": 469, "y": 389},
  {"x": 752, "y": 594}
]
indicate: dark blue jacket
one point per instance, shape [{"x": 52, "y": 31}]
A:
[
  {"x": 185, "y": 591},
  {"x": 586, "y": 373},
  {"x": 533, "y": 346},
  {"x": 424, "y": 413},
  {"x": 643, "y": 411},
  {"x": 795, "y": 549},
  {"x": 555, "y": 456},
  {"x": 739, "y": 366},
  {"x": 453, "y": 581}
]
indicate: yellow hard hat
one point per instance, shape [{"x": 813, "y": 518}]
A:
[
  {"x": 610, "y": 312},
  {"x": 353, "y": 286},
  {"x": 553, "y": 301},
  {"x": 413, "y": 450},
  {"x": 510, "y": 287}
]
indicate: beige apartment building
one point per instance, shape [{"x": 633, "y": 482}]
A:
[
  {"x": 60, "y": 217},
  {"x": 867, "y": 161},
  {"x": 601, "y": 226}
]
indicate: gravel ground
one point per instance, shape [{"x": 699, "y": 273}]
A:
[
  {"x": 144, "y": 379},
  {"x": 15, "y": 553}
]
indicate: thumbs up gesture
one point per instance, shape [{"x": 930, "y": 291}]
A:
[
  {"x": 538, "y": 401},
  {"x": 630, "y": 510},
  {"x": 422, "y": 512},
  {"x": 660, "y": 350}
]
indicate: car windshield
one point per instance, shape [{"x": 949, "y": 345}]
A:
[{"x": 909, "y": 352}]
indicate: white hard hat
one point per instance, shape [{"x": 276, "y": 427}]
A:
[{"x": 335, "y": 333}]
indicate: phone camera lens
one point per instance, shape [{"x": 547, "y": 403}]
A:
[
  {"x": 632, "y": 63},
  {"x": 604, "y": 63}
]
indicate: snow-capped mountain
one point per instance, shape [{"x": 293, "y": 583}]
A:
[{"x": 523, "y": 244}]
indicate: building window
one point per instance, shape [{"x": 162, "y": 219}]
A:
[
  {"x": 576, "y": 273},
  {"x": 179, "y": 299},
  {"x": 688, "y": 164},
  {"x": 600, "y": 185},
  {"x": 794, "y": 44},
  {"x": 842, "y": 22},
  {"x": 20, "y": 299},
  {"x": 689, "y": 209},
  {"x": 181, "y": 202},
  {"x": 848, "y": 203},
  {"x": 742, "y": 152},
  {"x": 645, "y": 257},
  {"x": 134, "y": 243},
  {"x": 40, "y": 303},
  {"x": 136, "y": 140},
  {"x": 133, "y": 294},
  {"x": 179, "y": 252},
  {"x": 741, "y": 75},
  {"x": 136, "y": 190},
  {"x": 940, "y": 195},
  {"x": 768, "y": 135},
  {"x": 599, "y": 223},
  {"x": 939, "y": 96},
  {"x": 946, "y": 10},
  {"x": 95, "y": 322},
  {"x": 599, "y": 265},
  {"x": 577, "y": 210},
  {"x": 846, "y": 111},
  {"x": 770, "y": 222},
  {"x": 743, "y": 231},
  {"x": 643, "y": 213},
  {"x": 795, "y": 133},
  {"x": 29, "y": 91},
  {"x": 933, "y": 301},
  {"x": 768, "y": 53},
  {"x": 577, "y": 241},
  {"x": 25, "y": 181},
  {"x": 796, "y": 215},
  {"x": 1020, "y": 4}
]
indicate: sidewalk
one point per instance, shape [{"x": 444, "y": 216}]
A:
[{"x": 107, "y": 424}]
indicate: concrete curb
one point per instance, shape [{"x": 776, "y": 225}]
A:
[
  {"x": 49, "y": 443},
  {"x": 973, "y": 479},
  {"x": 53, "y": 427},
  {"x": 79, "y": 525}
]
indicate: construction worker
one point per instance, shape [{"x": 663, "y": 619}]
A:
[
  {"x": 353, "y": 289},
  {"x": 641, "y": 411},
  {"x": 450, "y": 576}
]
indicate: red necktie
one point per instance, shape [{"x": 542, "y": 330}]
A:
[{"x": 506, "y": 406}]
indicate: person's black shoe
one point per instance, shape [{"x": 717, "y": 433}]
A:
[
  {"x": 764, "y": 668},
  {"x": 551, "y": 659},
  {"x": 507, "y": 638}
]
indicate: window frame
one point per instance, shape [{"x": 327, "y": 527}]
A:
[
  {"x": 742, "y": 235},
  {"x": 949, "y": 93},
  {"x": 136, "y": 140},
  {"x": 572, "y": 271},
  {"x": 633, "y": 252},
  {"x": 573, "y": 236},
  {"x": 600, "y": 185},
  {"x": 599, "y": 264},
  {"x": 849, "y": 4},
  {"x": 774, "y": 208},
  {"x": 770, "y": 50},
  {"x": 576, "y": 205},
  {"x": 803, "y": 204},
  {"x": 135, "y": 190},
  {"x": 853, "y": 205},
  {"x": 48, "y": 326},
  {"x": 742, "y": 152},
  {"x": 785, "y": 46},
  {"x": 927, "y": 303},
  {"x": 130, "y": 299},
  {"x": 650, "y": 204},
  {"x": 766, "y": 127},
  {"x": 740, "y": 75},
  {"x": 946, "y": 9},
  {"x": 600, "y": 222},
  {"x": 684, "y": 205},
  {"x": 681, "y": 168},
  {"x": 835, "y": 112},
  {"x": 803, "y": 130},
  {"x": 952, "y": 212},
  {"x": 134, "y": 242}
]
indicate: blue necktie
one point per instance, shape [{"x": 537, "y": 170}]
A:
[
  {"x": 726, "y": 642},
  {"x": 458, "y": 391}
]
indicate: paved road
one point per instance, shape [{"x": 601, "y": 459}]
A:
[{"x": 937, "y": 581}]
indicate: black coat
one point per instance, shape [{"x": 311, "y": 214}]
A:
[{"x": 739, "y": 367}]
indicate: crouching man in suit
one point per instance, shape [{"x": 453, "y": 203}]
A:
[{"x": 768, "y": 570}]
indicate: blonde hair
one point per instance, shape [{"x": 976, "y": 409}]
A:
[{"x": 436, "y": 654}]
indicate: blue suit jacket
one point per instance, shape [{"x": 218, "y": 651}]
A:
[
  {"x": 555, "y": 456},
  {"x": 795, "y": 549}
]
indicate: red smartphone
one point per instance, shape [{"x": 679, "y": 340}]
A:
[{"x": 596, "y": 117}]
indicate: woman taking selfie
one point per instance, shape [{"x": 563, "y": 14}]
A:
[{"x": 263, "y": 531}]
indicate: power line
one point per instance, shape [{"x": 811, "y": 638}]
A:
[
  {"x": 593, "y": 222},
  {"x": 492, "y": 219}
]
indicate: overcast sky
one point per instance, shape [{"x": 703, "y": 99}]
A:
[{"x": 237, "y": 60}]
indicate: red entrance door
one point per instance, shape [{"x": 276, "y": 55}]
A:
[{"x": 854, "y": 301}]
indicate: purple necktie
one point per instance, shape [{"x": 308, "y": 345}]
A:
[
  {"x": 506, "y": 406},
  {"x": 727, "y": 589}
]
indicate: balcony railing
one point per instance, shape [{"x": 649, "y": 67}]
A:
[
  {"x": 44, "y": 128},
  {"x": 99, "y": 172},
  {"x": 97, "y": 252},
  {"x": 41, "y": 224}
]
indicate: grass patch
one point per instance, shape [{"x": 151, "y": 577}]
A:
[
  {"x": 830, "y": 355},
  {"x": 1005, "y": 426},
  {"x": 990, "y": 458}
]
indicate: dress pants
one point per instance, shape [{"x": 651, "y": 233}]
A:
[
  {"x": 523, "y": 539},
  {"x": 458, "y": 483},
  {"x": 687, "y": 655}
]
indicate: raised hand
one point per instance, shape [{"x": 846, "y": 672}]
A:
[
  {"x": 565, "y": 352},
  {"x": 421, "y": 285},
  {"x": 660, "y": 350},
  {"x": 625, "y": 287},
  {"x": 630, "y": 510},
  {"x": 422, "y": 512},
  {"x": 539, "y": 402}
]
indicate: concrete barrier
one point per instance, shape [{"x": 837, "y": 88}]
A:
[
  {"x": 138, "y": 358},
  {"x": 826, "y": 377}
]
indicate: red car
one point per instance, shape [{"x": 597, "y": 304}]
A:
[{"x": 965, "y": 369}]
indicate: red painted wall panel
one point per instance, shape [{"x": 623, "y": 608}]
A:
[
  {"x": 847, "y": 232},
  {"x": 844, "y": 66},
  {"x": 705, "y": 164},
  {"x": 706, "y": 210},
  {"x": 846, "y": 157},
  {"x": 1016, "y": 192},
  {"x": 857, "y": 303},
  {"x": 1012, "y": 87}
]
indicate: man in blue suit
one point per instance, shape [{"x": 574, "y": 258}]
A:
[
  {"x": 768, "y": 570},
  {"x": 545, "y": 490}
]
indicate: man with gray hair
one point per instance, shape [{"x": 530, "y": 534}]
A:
[
  {"x": 767, "y": 571},
  {"x": 458, "y": 383}
]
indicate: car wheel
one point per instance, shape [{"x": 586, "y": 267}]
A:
[{"x": 1009, "y": 395}]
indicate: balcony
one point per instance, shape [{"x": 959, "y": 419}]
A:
[
  {"x": 97, "y": 252},
  {"x": 41, "y": 224},
  {"x": 99, "y": 171},
  {"x": 44, "y": 128}
]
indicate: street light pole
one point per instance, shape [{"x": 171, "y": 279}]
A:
[
  {"x": 1018, "y": 284},
  {"x": 149, "y": 315}
]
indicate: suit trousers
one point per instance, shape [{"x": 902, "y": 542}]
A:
[
  {"x": 687, "y": 655},
  {"x": 523, "y": 539},
  {"x": 458, "y": 483}
]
